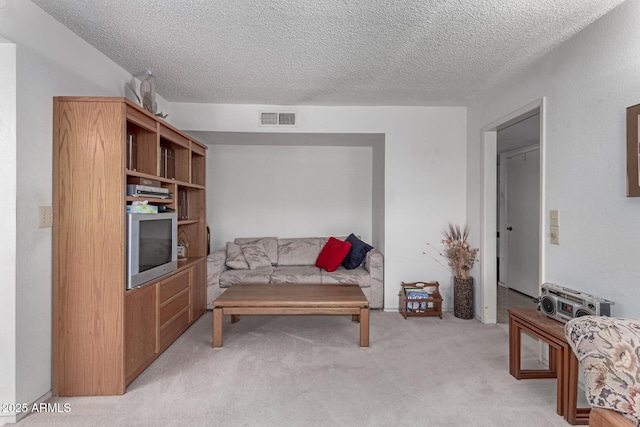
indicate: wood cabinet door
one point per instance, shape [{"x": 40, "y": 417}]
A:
[
  {"x": 199, "y": 289},
  {"x": 140, "y": 328}
]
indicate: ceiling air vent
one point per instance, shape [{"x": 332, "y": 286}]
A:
[{"x": 274, "y": 118}]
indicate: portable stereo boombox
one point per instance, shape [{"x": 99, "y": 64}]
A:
[{"x": 564, "y": 304}]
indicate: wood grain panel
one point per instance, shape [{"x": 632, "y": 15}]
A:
[
  {"x": 140, "y": 328},
  {"x": 198, "y": 169},
  {"x": 292, "y": 295},
  {"x": 290, "y": 310},
  {"x": 147, "y": 149},
  {"x": 173, "y": 306},
  {"x": 198, "y": 289},
  {"x": 170, "y": 287},
  {"x": 173, "y": 136},
  {"x": 174, "y": 329},
  {"x": 198, "y": 148},
  {"x": 141, "y": 119},
  {"x": 196, "y": 233},
  {"x": 89, "y": 248}
]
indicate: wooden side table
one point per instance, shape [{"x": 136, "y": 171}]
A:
[{"x": 563, "y": 364}]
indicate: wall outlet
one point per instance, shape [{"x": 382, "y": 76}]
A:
[{"x": 45, "y": 216}]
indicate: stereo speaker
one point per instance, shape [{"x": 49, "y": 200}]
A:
[{"x": 564, "y": 304}]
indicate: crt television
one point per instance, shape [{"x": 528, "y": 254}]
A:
[{"x": 152, "y": 241}]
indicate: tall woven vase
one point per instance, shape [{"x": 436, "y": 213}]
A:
[{"x": 463, "y": 297}]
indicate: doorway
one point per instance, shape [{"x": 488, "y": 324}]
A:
[
  {"x": 494, "y": 233},
  {"x": 522, "y": 213},
  {"x": 519, "y": 229}
]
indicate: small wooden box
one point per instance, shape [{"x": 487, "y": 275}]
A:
[{"x": 430, "y": 305}]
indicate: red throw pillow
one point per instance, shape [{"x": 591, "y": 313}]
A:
[{"x": 332, "y": 254}]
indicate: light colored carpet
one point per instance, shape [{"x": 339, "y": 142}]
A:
[{"x": 310, "y": 371}]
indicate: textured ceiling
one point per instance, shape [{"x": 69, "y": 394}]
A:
[{"x": 326, "y": 52}]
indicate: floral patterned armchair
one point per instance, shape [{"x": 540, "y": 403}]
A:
[{"x": 608, "y": 350}]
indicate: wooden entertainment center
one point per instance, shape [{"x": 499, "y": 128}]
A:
[{"x": 104, "y": 336}]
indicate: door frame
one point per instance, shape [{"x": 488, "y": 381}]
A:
[
  {"x": 9, "y": 335},
  {"x": 504, "y": 182},
  {"x": 489, "y": 203}
]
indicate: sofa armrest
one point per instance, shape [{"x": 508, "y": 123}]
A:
[
  {"x": 215, "y": 267},
  {"x": 374, "y": 264},
  {"x": 373, "y": 260},
  {"x": 607, "y": 349}
]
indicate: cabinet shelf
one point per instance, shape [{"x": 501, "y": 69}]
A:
[
  {"x": 149, "y": 199},
  {"x": 165, "y": 180},
  {"x": 188, "y": 221}
]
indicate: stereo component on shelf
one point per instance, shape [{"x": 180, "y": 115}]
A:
[
  {"x": 564, "y": 304},
  {"x": 136, "y": 190}
]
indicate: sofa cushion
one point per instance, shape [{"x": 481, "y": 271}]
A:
[
  {"x": 235, "y": 257},
  {"x": 357, "y": 253},
  {"x": 300, "y": 251},
  {"x": 332, "y": 254},
  {"x": 607, "y": 349},
  {"x": 296, "y": 274},
  {"x": 270, "y": 245},
  {"x": 232, "y": 277},
  {"x": 342, "y": 276},
  {"x": 255, "y": 255}
]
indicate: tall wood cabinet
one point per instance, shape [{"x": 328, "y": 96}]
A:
[{"x": 104, "y": 336}]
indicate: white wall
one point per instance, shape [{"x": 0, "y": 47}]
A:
[
  {"x": 587, "y": 83},
  {"x": 424, "y": 164},
  {"x": 51, "y": 61},
  {"x": 8, "y": 227},
  {"x": 321, "y": 190}
]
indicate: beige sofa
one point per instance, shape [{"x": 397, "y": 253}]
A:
[
  {"x": 608, "y": 350},
  {"x": 290, "y": 261}
]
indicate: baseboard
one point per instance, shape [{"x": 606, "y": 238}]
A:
[
  {"x": 7, "y": 418},
  {"x": 39, "y": 400}
]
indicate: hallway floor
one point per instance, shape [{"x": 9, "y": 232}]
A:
[{"x": 508, "y": 298}]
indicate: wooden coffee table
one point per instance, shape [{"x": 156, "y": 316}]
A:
[{"x": 291, "y": 299}]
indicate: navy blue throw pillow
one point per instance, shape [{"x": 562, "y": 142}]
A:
[{"x": 357, "y": 253}]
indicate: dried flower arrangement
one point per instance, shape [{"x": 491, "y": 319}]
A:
[{"x": 459, "y": 255}]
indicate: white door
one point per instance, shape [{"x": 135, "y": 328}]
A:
[{"x": 523, "y": 221}]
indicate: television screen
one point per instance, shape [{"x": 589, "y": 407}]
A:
[{"x": 155, "y": 244}]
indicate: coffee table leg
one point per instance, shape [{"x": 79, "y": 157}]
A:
[
  {"x": 217, "y": 327},
  {"x": 355, "y": 318},
  {"x": 364, "y": 327}
]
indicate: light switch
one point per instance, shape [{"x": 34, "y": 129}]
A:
[
  {"x": 555, "y": 219},
  {"x": 554, "y": 235}
]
